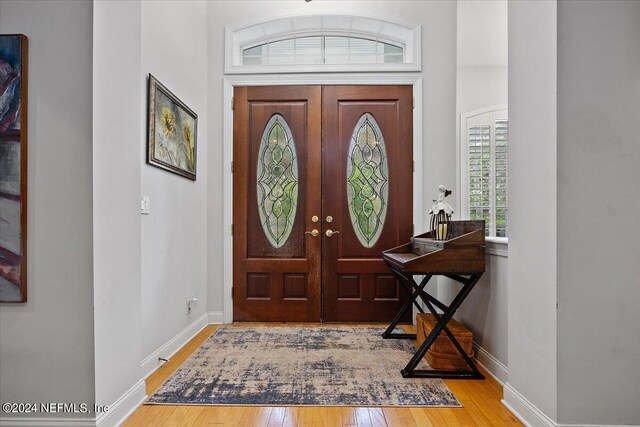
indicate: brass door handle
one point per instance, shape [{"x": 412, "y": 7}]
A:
[
  {"x": 313, "y": 232},
  {"x": 330, "y": 233}
]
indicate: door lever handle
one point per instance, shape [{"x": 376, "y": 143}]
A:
[
  {"x": 313, "y": 232},
  {"x": 330, "y": 233}
]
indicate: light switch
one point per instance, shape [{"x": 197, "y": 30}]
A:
[{"x": 145, "y": 205}]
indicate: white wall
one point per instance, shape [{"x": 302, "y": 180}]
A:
[
  {"x": 482, "y": 82},
  {"x": 482, "y": 33},
  {"x": 146, "y": 267},
  {"x": 174, "y": 238},
  {"x": 598, "y": 212},
  {"x": 438, "y": 19},
  {"x": 532, "y": 336},
  {"x": 480, "y": 87},
  {"x": 482, "y": 41},
  {"x": 117, "y": 130},
  {"x": 485, "y": 311},
  {"x": 46, "y": 345},
  {"x": 486, "y": 307}
]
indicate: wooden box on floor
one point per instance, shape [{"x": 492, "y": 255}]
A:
[{"x": 443, "y": 354}]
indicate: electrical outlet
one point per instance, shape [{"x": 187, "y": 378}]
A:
[{"x": 191, "y": 302}]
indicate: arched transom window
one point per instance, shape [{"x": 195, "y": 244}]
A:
[
  {"x": 323, "y": 50},
  {"x": 322, "y": 43}
]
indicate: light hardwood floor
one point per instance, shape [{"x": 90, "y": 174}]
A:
[{"x": 480, "y": 400}]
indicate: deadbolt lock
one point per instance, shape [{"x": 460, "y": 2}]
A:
[
  {"x": 329, "y": 218},
  {"x": 315, "y": 218}
]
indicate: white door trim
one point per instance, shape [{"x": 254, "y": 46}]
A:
[{"x": 229, "y": 82}]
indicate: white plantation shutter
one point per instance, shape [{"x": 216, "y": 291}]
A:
[
  {"x": 500, "y": 167},
  {"x": 484, "y": 162},
  {"x": 479, "y": 165}
]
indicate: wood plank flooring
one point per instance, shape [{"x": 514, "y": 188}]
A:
[{"x": 481, "y": 401}]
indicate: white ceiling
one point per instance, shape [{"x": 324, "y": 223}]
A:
[{"x": 482, "y": 33}]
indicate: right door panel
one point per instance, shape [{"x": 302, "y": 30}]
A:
[{"x": 367, "y": 191}]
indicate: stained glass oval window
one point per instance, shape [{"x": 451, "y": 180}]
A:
[
  {"x": 367, "y": 180},
  {"x": 277, "y": 181}
]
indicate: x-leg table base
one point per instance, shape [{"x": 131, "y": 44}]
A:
[
  {"x": 412, "y": 300},
  {"x": 416, "y": 291}
]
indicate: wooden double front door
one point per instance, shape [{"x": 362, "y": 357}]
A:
[{"x": 322, "y": 184}]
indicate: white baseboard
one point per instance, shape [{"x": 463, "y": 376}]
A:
[
  {"x": 596, "y": 425},
  {"x": 498, "y": 370},
  {"x": 118, "y": 412},
  {"x": 47, "y": 422},
  {"x": 171, "y": 347},
  {"x": 133, "y": 398},
  {"x": 122, "y": 408},
  {"x": 524, "y": 410},
  {"x": 531, "y": 416},
  {"x": 216, "y": 317}
]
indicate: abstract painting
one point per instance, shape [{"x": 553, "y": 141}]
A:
[
  {"x": 172, "y": 132},
  {"x": 13, "y": 168}
]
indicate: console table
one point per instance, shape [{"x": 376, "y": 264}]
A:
[{"x": 460, "y": 258}]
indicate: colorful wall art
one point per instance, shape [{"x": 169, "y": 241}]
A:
[
  {"x": 172, "y": 132},
  {"x": 13, "y": 168}
]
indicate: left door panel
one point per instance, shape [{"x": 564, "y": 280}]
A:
[{"x": 276, "y": 193}]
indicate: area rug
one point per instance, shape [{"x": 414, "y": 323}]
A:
[{"x": 300, "y": 366}]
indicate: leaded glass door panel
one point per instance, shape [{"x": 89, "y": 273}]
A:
[
  {"x": 367, "y": 151},
  {"x": 322, "y": 185},
  {"x": 276, "y": 194}
]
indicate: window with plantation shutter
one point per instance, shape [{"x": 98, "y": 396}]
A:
[
  {"x": 484, "y": 162},
  {"x": 500, "y": 166}
]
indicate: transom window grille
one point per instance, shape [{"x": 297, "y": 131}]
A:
[
  {"x": 484, "y": 164},
  {"x": 323, "y": 49}
]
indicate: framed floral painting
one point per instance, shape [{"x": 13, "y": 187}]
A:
[{"x": 173, "y": 129}]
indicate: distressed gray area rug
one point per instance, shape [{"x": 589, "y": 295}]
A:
[{"x": 298, "y": 366}]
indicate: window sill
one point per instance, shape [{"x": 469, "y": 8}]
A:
[
  {"x": 498, "y": 246},
  {"x": 501, "y": 240}
]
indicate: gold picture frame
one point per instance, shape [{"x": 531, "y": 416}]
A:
[{"x": 172, "y": 138}]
